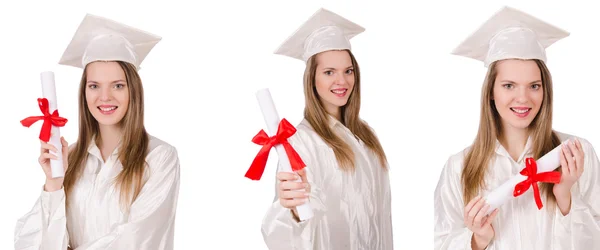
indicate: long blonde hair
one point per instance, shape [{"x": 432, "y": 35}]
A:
[
  {"x": 134, "y": 144},
  {"x": 481, "y": 153},
  {"x": 315, "y": 114}
]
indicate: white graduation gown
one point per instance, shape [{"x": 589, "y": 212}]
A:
[
  {"x": 352, "y": 211},
  {"x": 94, "y": 220},
  {"x": 519, "y": 224}
]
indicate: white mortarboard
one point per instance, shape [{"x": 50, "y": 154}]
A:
[
  {"x": 508, "y": 34},
  {"x": 323, "y": 31},
  {"x": 102, "y": 39}
]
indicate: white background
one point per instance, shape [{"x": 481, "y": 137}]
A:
[{"x": 422, "y": 101}]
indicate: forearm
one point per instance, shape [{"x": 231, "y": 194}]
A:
[
  {"x": 53, "y": 185},
  {"x": 563, "y": 200},
  {"x": 478, "y": 243}
]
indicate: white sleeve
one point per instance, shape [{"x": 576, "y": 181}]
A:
[
  {"x": 279, "y": 229},
  {"x": 450, "y": 232},
  {"x": 580, "y": 228},
  {"x": 45, "y": 226}
]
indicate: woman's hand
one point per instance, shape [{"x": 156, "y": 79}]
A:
[
  {"x": 290, "y": 193},
  {"x": 53, "y": 184},
  {"x": 571, "y": 162},
  {"x": 479, "y": 223}
]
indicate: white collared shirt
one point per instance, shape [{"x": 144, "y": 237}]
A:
[
  {"x": 94, "y": 219},
  {"x": 519, "y": 224},
  {"x": 352, "y": 211}
]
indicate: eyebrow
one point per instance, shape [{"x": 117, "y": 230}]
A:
[
  {"x": 116, "y": 81},
  {"x": 330, "y": 68},
  {"x": 509, "y": 81}
]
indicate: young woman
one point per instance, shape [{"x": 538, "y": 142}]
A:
[
  {"x": 121, "y": 184},
  {"x": 516, "y": 123},
  {"x": 346, "y": 175}
]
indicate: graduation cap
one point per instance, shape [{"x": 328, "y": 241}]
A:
[
  {"x": 102, "y": 39},
  {"x": 510, "y": 34},
  {"x": 323, "y": 31}
]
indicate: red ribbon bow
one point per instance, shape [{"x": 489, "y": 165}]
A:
[
  {"x": 533, "y": 177},
  {"x": 284, "y": 131},
  {"x": 49, "y": 120}
]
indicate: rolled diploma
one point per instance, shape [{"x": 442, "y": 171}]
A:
[
  {"x": 272, "y": 121},
  {"x": 504, "y": 192},
  {"x": 49, "y": 92}
]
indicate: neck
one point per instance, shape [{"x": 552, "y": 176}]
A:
[
  {"x": 336, "y": 112},
  {"x": 514, "y": 140},
  {"x": 108, "y": 139}
]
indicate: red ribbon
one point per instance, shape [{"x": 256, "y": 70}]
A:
[
  {"x": 49, "y": 120},
  {"x": 284, "y": 132},
  {"x": 533, "y": 177}
]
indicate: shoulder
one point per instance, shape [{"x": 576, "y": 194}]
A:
[
  {"x": 587, "y": 145},
  {"x": 161, "y": 154},
  {"x": 304, "y": 127},
  {"x": 454, "y": 163},
  {"x": 306, "y": 135},
  {"x": 156, "y": 144},
  {"x": 368, "y": 126},
  {"x": 450, "y": 175}
]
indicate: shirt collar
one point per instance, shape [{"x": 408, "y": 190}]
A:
[
  {"x": 502, "y": 151},
  {"x": 95, "y": 151},
  {"x": 332, "y": 121}
]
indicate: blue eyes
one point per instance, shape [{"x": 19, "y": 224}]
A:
[
  {"x": 510, "y": 86},
  {"x": 330, "y": 72},
  {"x": 117, "y": 86}
]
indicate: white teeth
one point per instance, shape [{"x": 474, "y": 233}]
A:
[
  {"x": 339, "y": 91},
  {"x": 108, "y": 109},
  {"x": 520, "y": 111}
]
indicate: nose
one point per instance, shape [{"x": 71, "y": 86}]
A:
[
  {"x": 105, "y": 95},
  {"x": 522, "y": 95},
  {"x": 340, "y": 79}
]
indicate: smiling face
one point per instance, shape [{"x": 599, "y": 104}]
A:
[
  {"x": 334, "y": 79},
  {"x": 106, "y": 92},
  {"x": 518, "y": 92}
]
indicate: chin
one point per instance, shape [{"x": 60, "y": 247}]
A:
[
  {"x": 106, "y": 121},
  {"x": 341, "y": 103},
  {"x": 521, "y": 124}
]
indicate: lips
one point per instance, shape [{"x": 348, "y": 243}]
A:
[
  {"x": 521, "y": 111},
  {"x": 107, "y": 109},
  {"x": 341, "y": 92}
]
